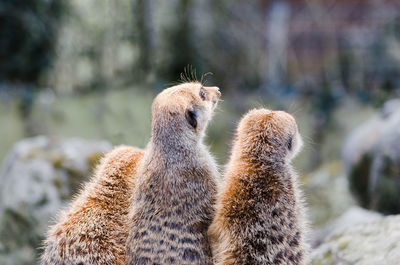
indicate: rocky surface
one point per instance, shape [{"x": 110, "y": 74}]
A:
[
  {"x": 327, "y": 194},
  {"x": 354, "y": 215},
  {"x": 370, "y": 241},
  {"x": 371, "y": 157},
  {"x": 38, "y": 176},
  {"x": 328, "y": 198}
]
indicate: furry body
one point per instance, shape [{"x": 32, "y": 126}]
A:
[
  {"x": 93, "y": 230},
  {"x": 259, "y": 214},
  {"x": 173, "y": 199}
]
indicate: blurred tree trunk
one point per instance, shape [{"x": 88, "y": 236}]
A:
[
  {"x": 26, "y": 101},
  {"x": 325, "y": 97},
  {"x": 28, "y": 36},
  {"x": 142, "y": 15},
  {"x": 178, "y": 39},
  {"x": 277, "y": 36}
]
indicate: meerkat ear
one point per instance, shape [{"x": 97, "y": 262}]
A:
[
  {"x": 290, "y": 143},
  {"x": 191, "y": 117}
]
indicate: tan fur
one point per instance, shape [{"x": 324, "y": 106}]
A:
[
  {"x": 176, "y": 185},
  {"x": 260, "y": 213},
  {"x": 93, "y": 230}
]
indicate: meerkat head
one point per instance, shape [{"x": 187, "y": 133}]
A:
[
  {"x": 184, "y": 110},
  {"x": 271, "y": 135}
]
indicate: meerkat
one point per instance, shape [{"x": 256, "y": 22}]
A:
[
  {"x": 260, "y": 214},
  {"x": 94, "y": 229},
  {"x": 173, "y": 200}
]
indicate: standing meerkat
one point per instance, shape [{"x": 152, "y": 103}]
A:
[
  {"x": 94, "y": 229},
  {"x": 260, "y": 212},
  {"x": 176, "y": 186}
]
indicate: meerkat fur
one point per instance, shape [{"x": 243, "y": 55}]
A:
[
  {"x": 177, "y": 181},
  {"x": 260, "y": 213},
  {"x": 94, "y": 228}
]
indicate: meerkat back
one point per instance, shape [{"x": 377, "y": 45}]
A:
[
  {"x": 260, "y": 212},
  {"x": 93, "y": 230},
  {"x": 173, "y": 200}
]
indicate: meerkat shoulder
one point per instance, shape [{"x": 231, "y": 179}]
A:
[{"x": 93, "y": 229}]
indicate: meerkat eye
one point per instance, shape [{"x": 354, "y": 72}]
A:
[
  {"x": 289, "y": 144},
  {"x": 203, "y": 95}
]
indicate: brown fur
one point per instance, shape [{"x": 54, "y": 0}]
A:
[
  {"x": 259, "y": 214},
  {"x": 93, "y": 230},
  {"x": 173, "y": 198}
]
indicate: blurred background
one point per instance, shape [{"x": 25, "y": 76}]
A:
[{"x": 77, "y": 77}]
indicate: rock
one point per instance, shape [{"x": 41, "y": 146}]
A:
[
  {"x": 371, "y": 157},
  {"x": 354, "y": 215},
  {"x": 327, "y": 194},
  {"x": 328, "y": 197},
  {"x": 368, "y": 243},
  {"x": 38, "y": 177}
]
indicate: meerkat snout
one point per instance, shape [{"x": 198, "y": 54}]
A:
[{"x": 210, "y": 93}]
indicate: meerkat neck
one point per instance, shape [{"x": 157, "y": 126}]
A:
[
  {"x": 262, "y": 162},
  {"x": 172, "y": 136},
  {"x": 260, "y": 167},
  {"x": 173, "y": 152},
  {"x": 255, "y": 154}
]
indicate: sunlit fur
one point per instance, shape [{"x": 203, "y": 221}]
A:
[
  {"x": 94, "y": 228},
  {"x": 259, "y": 213},
  {"x": 176, "y": 185}
]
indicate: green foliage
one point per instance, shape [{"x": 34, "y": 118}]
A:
[
  {"x": 179, "y": 42},
  {"x": 28, "y": 36},
  {"x": 28, "y": 31},
  {"x": 105, "y": 44}
]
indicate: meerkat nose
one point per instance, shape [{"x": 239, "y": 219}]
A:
[{"x": 218, "y": 92}]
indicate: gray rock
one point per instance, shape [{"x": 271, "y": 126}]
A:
[
  {"x": 327, "y": 194},
  {"x": 371, "y": 157},
  {"x": 38, "y": 177},
  {"x": 367, "y": 243},
  {"x": 354, "y": 215},
  {"x": 328, "y": 197}
]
